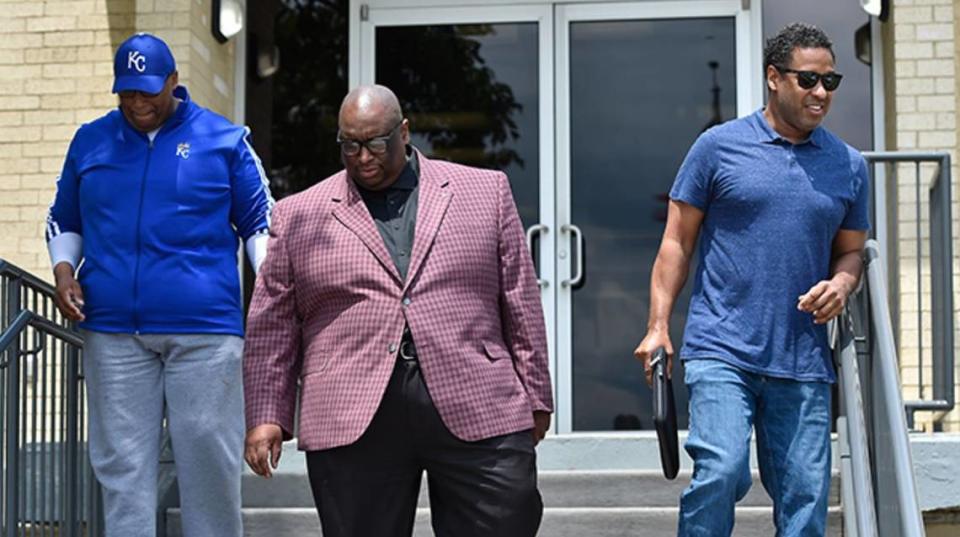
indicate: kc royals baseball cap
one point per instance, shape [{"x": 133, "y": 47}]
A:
[{"x": 143, "y": 63}]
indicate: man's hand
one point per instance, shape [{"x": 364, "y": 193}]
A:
[
  {"x": 541, "y": 422},
  {"x": 262, "y": 449},
  {"x": 69, "y": 297},
  {"x": 826, "y": 299},
  {"x": 655, "y": 338}
]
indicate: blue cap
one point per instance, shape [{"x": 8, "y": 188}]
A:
[{"x": 143, "y": 63}]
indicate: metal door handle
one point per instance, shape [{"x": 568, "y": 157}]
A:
[
  {"x": 533, "y": 231},
  {"x": 578, "y": 239}
]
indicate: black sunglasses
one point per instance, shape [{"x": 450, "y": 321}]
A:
[{"x": 809, "y": 79}]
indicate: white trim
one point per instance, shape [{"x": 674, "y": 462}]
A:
[{"x": 878, "y": 95}]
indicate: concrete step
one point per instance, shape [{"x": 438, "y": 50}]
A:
[
  {"x": 557, "y": 522},
  {"x": 574, "y": 489}
]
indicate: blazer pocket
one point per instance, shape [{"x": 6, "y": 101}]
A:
[{"x": 495, "y": 351}]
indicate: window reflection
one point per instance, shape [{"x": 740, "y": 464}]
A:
[
  {"x": 641, "y": 92},
  {"x": 471, "y": 94}
]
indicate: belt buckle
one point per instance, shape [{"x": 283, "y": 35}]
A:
[{"x": 407, "y": 350}]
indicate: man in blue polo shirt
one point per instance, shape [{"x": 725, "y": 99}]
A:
[
  {"x": 152, "y": 204},
  {"x": 780, "y": 205}
]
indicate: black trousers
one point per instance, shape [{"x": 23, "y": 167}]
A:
[{"x": 477, "y": 489}]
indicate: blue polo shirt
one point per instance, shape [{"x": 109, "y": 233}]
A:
[{"x": 771, "y": 211}]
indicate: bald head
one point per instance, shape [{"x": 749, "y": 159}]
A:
[
  {"x": 369, "y": 113},
  {"x": 373, "y": 101}
]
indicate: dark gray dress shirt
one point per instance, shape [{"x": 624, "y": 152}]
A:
[{"x": 394, "y": 210}]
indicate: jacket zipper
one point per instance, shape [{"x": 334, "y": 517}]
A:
[{"x": 136, "y": 270}]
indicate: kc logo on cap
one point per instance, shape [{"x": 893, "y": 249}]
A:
[{"x": 143, "y": 63}]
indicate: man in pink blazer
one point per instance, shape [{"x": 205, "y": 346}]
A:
[{"x": 400, "y": 294}]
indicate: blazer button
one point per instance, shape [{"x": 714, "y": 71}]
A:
[
  {"x": 406, "y": 301},
  {"x": 392, "y": 348}
]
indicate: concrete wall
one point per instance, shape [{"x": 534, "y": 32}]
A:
[{"x": 56, "y": 61}]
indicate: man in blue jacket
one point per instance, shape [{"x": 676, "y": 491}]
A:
[{"x": 143, "y": 235}]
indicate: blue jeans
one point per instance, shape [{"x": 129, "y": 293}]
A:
[{"x": 792, "y": 421}]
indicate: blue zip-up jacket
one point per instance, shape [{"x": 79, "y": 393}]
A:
[{"x": 161, "y": 221}]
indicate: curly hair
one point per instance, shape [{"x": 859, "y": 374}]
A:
[{"x": 778, "y": 50}]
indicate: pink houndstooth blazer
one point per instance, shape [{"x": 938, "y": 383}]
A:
[{"x": 329, "y": 309}]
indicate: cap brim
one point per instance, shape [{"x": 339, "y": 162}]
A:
[{"x": 145, "y": 83}]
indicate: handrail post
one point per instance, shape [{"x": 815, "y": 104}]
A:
[
  {"x": 70, "y": 440},
  {"x": 12, "y": 505}
]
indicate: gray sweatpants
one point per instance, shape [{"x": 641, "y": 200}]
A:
[{"x": 199, "y": 378}]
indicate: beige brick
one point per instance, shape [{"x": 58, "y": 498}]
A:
[
  {"x": 916, "y": 121},
  {"x": 48, "y": 117},
  {"x": 914, "y": 14},
  {"x": 96, "y": 53},
  {"x": 18, "y": 198},
  {"x": 51, "y": 165},
  {"x": 904, "y": 32},
  {"x": 12, "y": 24},
  {"x": 937, "y": 103},
  {"x": 937, "y": 139},
  {"x": 946, "y": 86},
  {"x": 934, "y": 68},
  {"x": 144, "y": 6},
  {"x": 943, "y": 13},
  {"x": 103, "y": 69},
  {"x": 154, "y": 21},
  {"x": 8, "y": 72},
  {"x": 68, "y": 39},
  {"x": 23, "y": 9},
  {"x": 51, "y": 55},
  {"x": 173, "y": 6},
  {"x": 121, "y": 6},
  {"x": 69, "y": 8},
  {"x": 20, "y": 134},
  {"x": 20, "y": 165},
  {"x": 53, "y": 133},
  {"x": 103, "y": 99},
  {"x": 944, "y": 49},
  {"x": 914, "y": 51},
  {"x": 906, "y": 140},
  {"x": 9, "y": 182},
  {"x": 55, "y": 102},
  {"x": 11, "y": 119},
  {"x": 45, "y": 87},
  {"x": 87, "y": 115},
  {"x": 11, "y": 87},
  {"x": 103, "y": 21},
  {"x": 11, "y": 149},
  {"x": 37, "y": 213},
  {"x": 915, "y": 86},
  {"x": 45, "y": 149},
  {"x": 51, "y": 24},
  {"x": 11, "y": 57},
  {"x": 67, "y": 70},
  {"x": 9, "y": 214},
  {"x": 906, "y": 103},
  {"x": 934, "y": 32},
  {"x": 42, "y": 181},
  {"x": 25, "y": 102},
  {"x": 21, "y": 41},
  {"x": 946, "y": 120}
]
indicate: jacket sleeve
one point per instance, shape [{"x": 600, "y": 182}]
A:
[
  {"x": 64, "y": 228},
  {"x": 272, "y": 355},
  {"x": 251, "y": 202},
  {"x": 521, "y": 310}
]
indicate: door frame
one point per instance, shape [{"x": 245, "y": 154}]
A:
[
  {"x": 553, "y": 18},
  {"x": 362, "y": 71}
]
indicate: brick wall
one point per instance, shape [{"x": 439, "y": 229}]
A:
[
  {"x": 56, "y": 61},
  {"x": 923, "y": 117}
]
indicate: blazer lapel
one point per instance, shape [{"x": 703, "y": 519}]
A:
[
  {"x": 352, "y": 213},
  {"x": 432, "y": 202}
]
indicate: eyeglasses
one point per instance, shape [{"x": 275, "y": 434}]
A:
[
  {"x": 809, "y": 79},
  {"x": 376, "y": 145}
]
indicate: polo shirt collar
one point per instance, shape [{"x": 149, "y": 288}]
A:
[{"x": 768, "y": 135}]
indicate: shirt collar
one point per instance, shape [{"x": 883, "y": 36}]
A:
[{"x": 768, "y": 135}]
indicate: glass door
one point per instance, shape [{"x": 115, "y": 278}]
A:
[
  {"x": 476, "y": 84},
  {"x": 636, "y": 84}
]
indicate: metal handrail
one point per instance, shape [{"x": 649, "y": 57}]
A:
[
  {"x": 876, "y": 465},
  {"x": 940, "y": 294},
  {"x": 46, "y": 483}
]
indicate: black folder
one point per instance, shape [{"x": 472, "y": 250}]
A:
[{"x": 665, "y": 415}]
